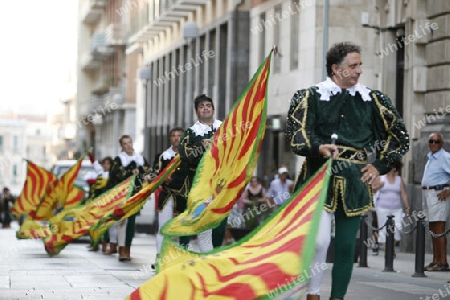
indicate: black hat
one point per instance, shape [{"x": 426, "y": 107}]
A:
[{"x": 202, "y": 98}]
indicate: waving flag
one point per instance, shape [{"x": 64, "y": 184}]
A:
[
  {"x": 75, "y": 197},
  {"x": 272, "y": 261},
  {"x": 228, "y": 165},
  {"x": 36, "y": 183},
  {"x": 134, "y": 204},
  {"x": 71, "y": 224},
  {"x": 57, "y": 193},
  {"x": 32, "y": 229}
]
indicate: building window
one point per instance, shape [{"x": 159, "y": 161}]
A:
[
  {"x": 38, "y": 131},
  {"x": 295, "y": 30},
  {"x": 1, "y": 144},
  {"x": 14, "y": 171},
  {"x": 15, "y": 143},
  {"x": 262, "y": 39},
  {"x": 277, "y": 38},
  {"x": 43, "y": 150}
]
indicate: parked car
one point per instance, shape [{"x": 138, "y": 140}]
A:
[{"x": 61, "y": 166}]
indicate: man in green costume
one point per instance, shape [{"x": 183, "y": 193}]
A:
[
  {"x": 195, "y": 141},
  {"x": 365, "y": 121}
]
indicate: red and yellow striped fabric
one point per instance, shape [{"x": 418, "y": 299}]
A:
[
  {"x": 75, "y": 197},
  {"x": 36, "y": 183},
  {"x": 57, "y": 193},
  {"x": 271, "y": 261},
  {"x": 134, "y": 204},
  {"x": 71, "y": 224},
  {"x": 228, "y": 164}
]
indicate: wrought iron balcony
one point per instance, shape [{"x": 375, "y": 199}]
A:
[
  {"x": 115, "y": 35},
  {"x": 92, "y": 10}
]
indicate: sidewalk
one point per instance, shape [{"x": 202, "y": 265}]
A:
[{"x": 26, "y": 272}]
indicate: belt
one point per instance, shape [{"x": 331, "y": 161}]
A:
[
  {"x": 436, "y": 187},
  {"x": 352, "y": 155}
]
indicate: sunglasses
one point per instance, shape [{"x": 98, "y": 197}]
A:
[{"x": 434, "y": 141}]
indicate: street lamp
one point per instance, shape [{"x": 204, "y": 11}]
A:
[{"x": 145, "y": 75}]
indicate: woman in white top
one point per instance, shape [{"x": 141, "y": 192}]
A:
[{"x": 389, "y": 202}]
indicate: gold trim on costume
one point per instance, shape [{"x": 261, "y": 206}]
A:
[
  {"x": 302, "y": 105},
  {"x": 383, "y": 110}
]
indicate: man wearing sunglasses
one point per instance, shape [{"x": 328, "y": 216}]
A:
[{"x": 435, "y": 202}]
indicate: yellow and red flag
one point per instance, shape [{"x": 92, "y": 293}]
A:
[
  {"x": 75, "y": 197},
  {"x": 228, "y": 165},
  {"x": 134, "y": 204},
  {"x": 272, "y": 261},
  {"x": 71, "y": 224},
  {"x": 57, "y": 193},
  {"x": 36, "y": 183}
]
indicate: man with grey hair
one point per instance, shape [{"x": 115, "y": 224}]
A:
[
  {"x": 360, "y": 118},
  {"x": 435, "y": 202}
]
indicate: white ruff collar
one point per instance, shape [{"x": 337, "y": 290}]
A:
[
  {"x": 328, "y": 88},
  {"x": 202, "y": 129},
  {"x": 126, "y": 159},
  {"x": 168, "y": 154}
]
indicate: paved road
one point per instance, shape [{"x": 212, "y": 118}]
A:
[{"x": 26, "y": 272}]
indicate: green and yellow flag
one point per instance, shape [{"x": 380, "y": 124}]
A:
[
  {"x": 273, "y": 261},
  {"x": 228, "y": 165},
  {"x": 36, "y": 182}
]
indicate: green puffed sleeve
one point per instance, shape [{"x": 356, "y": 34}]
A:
[
  {"x": 390, "y": 130},
  {"x": 191, "y": 147},
  {"x": 301, "y": 122}
]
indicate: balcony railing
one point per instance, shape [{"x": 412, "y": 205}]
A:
[
  {"x": 88, "y": 62},
  {"x": 168, "y": 13},
  {"x": 99, "y": 48},
  {"x": 115, "y": 35},
  {"x": 92, "y": 10}
]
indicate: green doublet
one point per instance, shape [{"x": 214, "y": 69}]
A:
[
  {"x": 176, "y": 188},
  {"x": 119, "y": 173},
  {"x": 191, "y": 150},
  {"x": 368, "y": 124}
]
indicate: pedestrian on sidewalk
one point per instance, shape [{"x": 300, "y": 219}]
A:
[
  {"x": 7, "y": 202},
  {"x": 435, "y": 201},
  {"x": 392, "y": 200},
  {"x": 363, "y": 119}
]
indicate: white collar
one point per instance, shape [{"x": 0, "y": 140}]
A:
[
  {"x": 169, "y": 153},
  {"x": 127, "y": 159},
  {"x": 329, "y": 88},
  {"x": 202, "y": 129}
]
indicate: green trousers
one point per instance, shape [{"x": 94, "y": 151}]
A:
[
  {"x": 131, "y": 224},
  {"x": 218, "y": 233},
  {"x": 344, "y": 252}
]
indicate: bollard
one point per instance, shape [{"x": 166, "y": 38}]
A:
[
  {"x": 389, "y": 254},
  {"x": 420, "y": 249},
  {"x": 363, "y": 237}
]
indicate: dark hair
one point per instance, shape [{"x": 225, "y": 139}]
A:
[
  {"x": 175, "y": 129},
  {"x": 397, "y": 164},
  {"x": 108, "y": 158},
  {"x": 125, "y": 136},
  {"x": 337, "y": 53},
  {"x": 202, "y": 98}
]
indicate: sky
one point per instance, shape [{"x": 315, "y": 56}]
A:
[{"x": 39, "y": 48}]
